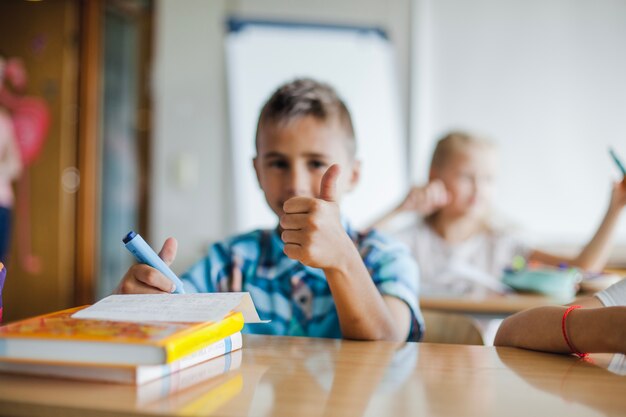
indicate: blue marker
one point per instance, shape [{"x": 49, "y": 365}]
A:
[
  {"x": 145, "y": 255},
  {"x": 617, "y": 162}
]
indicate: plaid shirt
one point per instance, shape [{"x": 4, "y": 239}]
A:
[{"x": 297, "y": 298}]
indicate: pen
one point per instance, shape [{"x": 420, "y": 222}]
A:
[
  {"x": 619, "y": 163},
  {"x": 145, "y": 255}
]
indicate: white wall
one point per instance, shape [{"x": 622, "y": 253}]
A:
[
  {"x": 546, "y": 80},
  {"x": 536, "y": 75},
  {"x": 188, "y": 191},
  {"x": 191, "y": 122}
]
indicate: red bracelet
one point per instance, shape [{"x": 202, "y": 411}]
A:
[{"x": 564, "y": 328}]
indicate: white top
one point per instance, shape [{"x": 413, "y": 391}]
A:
[
  {"x": 474, "y": 266},
  {"x": 10, "y": 164},
  {"x": 614, "y": 296}
]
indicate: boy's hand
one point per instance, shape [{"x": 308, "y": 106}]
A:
[
  {"x": 425, "y": 200},
  {"x": 312, "y": 229},
  {"x": 143, "y": 279}
]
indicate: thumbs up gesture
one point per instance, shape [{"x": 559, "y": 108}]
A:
[{"x": 312, "y": 229}]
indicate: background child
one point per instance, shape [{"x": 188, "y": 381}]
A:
[
  {"x": 455, "y": 241},
  {"x": 312, "y": 275},
  {"x": 10, "y": 167},
  {"x": 599, "y": 325}
]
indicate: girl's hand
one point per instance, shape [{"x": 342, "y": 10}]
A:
[
  {"x": 618, "y": 195},
  {"x": 427, "y": 199}
]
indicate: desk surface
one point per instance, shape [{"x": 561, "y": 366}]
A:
[
  {"x": 500, "y": 305},
  {"x": 492, "y": 304},
  {"x": 281, "y": 376}
]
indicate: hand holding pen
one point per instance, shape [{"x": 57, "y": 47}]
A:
[{"x": 152, "y": 275}]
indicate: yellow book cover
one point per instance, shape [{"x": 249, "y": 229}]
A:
[
  {"x": 57, "y": 337},
  {"x": 122, "y": 374}
]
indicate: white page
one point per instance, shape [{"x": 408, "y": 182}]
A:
[{"x": 171, "y": 307}]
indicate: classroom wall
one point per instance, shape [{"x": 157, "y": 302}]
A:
[
  {"x": 546, "y": 81},
  {"x": 188, "y": 188},
  {"x": 191, "y": 198}
]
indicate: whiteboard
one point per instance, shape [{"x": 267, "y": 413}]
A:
[{"x": 360, "y": 64}]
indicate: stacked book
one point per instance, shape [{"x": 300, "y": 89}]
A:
[{"x": 60, "y": 344}]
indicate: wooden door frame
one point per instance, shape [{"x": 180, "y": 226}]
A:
[
  {"x": 89, "y": 111},
  {"x": 90, "y": 94}
]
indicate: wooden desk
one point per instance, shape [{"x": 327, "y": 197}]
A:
[
  {"x": 493, "y": 305},
  {"x": 499, "y": 305},
  {"x": 319, "y": 377},
  {"x": 488, "y": 312},
  {"x": 617, "y": 270}
]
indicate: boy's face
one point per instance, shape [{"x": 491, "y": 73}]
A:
[
  {"x": 293, "y": 157},
  {"x": 469, "y": 178}
]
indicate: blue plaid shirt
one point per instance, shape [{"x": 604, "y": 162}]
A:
[{"x": 295, "y": 297}]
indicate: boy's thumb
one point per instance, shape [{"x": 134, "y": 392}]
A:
[
  {"x": 168, "y": 251},
  {"x": 328, "y": 189}
]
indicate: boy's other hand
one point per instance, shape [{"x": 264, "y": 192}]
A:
[
  {"x": 312, "y": 229},
  {"x": 143, "y": 279},
  {"x": 425, "y": 200}
]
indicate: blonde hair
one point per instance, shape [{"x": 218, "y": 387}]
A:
[
  {"x": 454, "y": 142},
  {"x": 449, "y": 145}
]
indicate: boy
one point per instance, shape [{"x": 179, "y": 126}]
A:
[{"x": 312, "y": 275}]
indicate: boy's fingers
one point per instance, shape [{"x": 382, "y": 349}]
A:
[
  {"x": 293, "y": 251},
  {"x": 292, "y": 237},
  {"x": 142, "y": 279},
  {"x": 297, "y": 205},
  {"x": 146, "y": 289},
  {"x": 168, "y": 251},
  {"x": 328, "y": 189},
  {"x": 294, "y": 221},
  {"x": 152, "y": 278}
]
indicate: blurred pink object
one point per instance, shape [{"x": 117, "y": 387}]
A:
[
  {"x": 31, "y": 120},
  {"x": 15, "y": 73}
]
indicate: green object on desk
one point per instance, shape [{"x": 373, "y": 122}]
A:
[
  {"x": 555, "y": 283},
  {"x": 518, "y": 263}
]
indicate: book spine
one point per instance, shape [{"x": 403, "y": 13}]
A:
[
  {"x": 180, "y": 347},
  {"x": 148, "y": 373},
  {"x": 136, "y": 375},
  {"x": 196, "y": 381}
]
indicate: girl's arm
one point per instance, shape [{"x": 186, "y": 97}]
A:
[
  {"x": 596, "y": 253},
  {"x": 422, "y": 200},
  {"x": 589, "y": 329}
]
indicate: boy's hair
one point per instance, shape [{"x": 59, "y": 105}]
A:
[
  {"x": 455, "y": 141},
  {"x": 306, "y": 97}
]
